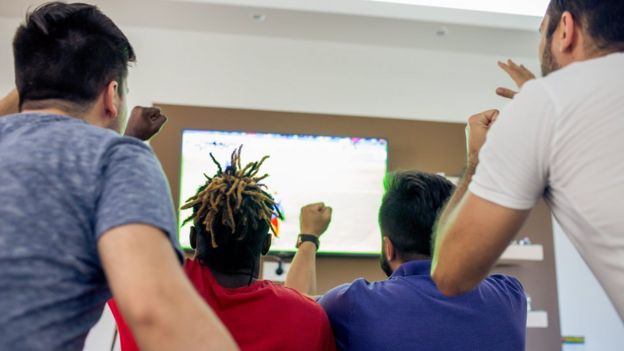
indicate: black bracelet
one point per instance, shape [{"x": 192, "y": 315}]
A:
[{"x": 308, "y": 237}]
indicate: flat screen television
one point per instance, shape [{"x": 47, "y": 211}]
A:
[{"x": 345, "y": 173}]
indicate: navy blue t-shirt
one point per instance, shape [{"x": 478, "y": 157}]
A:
[
  {"x": 63, "y": 184},
  {"x": 407, "y": 312}
]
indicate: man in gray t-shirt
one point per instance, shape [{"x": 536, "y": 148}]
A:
[
  {"x": 63, "y": 184},
  {"x": 84, "y": 211}
]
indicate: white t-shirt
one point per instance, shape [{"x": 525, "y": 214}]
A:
[{"x": 562, "y": 138}]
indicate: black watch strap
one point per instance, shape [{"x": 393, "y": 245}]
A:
[{"x": 308, "y": 237}]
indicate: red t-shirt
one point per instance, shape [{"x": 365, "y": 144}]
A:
[{"x": 262, "y": 316}]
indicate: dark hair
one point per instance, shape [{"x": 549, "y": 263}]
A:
[
  {"x": 69, "y": 52},
  {"x": 232, "y": 216},
  {"x": 603, "y": 20},
  {"x": 409, "y": 210}
]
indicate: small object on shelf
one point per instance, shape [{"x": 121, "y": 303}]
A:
[
  {"x": 516, "y": 252},
  {"x": 528, "y": 298},
  {"x": 537, "y": 319},
  {"x": 573, "y": 343},
  {"x": 522, "y": 242}
]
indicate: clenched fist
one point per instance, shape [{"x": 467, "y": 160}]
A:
[
  {"x": 145, "y": 122},
  {"x": 315, "y": 218},
  {"x": 476, "y": 132}
]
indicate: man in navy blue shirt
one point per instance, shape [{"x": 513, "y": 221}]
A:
[{"x": 407, "y": 311}]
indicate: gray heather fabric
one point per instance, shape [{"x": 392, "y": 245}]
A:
[{"x": 63, "y": 184}]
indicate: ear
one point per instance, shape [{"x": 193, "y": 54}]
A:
[
  {"x": 266, "y": 245},
  {"x": 111, "y": 96},
  {"x": 389, "y": 249},
  {"x": 568, "y": 26},
  {"x": 193, "y": 238}
]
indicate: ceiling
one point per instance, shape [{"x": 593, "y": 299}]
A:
[
  {"x": 489, "y": 13},
  {"x": 352, "y": 21}
]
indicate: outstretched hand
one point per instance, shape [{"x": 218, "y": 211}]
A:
[
  {"x": 518, "y": 73},
  {"x": 145, "y": 122},
  {"x": 315, "y": 219}
]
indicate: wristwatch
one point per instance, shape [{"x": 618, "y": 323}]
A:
[{"x": 308, "y": 237}]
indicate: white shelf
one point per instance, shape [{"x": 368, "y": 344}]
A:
[
  {"x": 515, "y": 253},
  {"x": 537, "y": 319}
]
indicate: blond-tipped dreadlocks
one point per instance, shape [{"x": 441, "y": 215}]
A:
[{"x": 224, "y": 194}]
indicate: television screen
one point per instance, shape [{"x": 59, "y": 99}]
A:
[{"x": 345, "y": 173}]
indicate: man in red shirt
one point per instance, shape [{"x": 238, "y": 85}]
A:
[{"x": 232, "y": 216}]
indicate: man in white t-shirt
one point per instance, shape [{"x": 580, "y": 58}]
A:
[{"x": 561, "y": 138}]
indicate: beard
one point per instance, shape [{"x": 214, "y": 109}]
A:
[
  {"x": 385, "y": 266},
  {"x": 548, "y": 62}
]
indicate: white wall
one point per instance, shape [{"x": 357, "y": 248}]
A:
[
  {"x": 210, "y": 69},
  {"x": 101, "y": 336},
  {"x": 584, "y": 307}
]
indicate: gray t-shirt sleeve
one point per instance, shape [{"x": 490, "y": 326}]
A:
[{"x": 134, "y": 190}]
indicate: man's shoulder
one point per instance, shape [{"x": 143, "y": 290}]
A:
[
  {"x": 345, "y": 295},
  {"x": 291, "y": 295},
  {"x": 504, "y": 283},
  {"x": 594, "y": 75},
  {"x": 63, "y": 134},
  {"x": 290, "y": 299}
]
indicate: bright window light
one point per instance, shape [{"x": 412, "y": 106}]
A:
[{"x": 515, "y": 7}]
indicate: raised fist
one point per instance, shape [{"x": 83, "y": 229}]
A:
[
  {"x": 315, "y": 219},
  {"x": 145, "y": 122}
]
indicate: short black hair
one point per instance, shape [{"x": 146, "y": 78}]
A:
[
  {"x": 410, "y": 208},
  {"x": 603, "y": 20},
  {"x": 69, "y": 52}
]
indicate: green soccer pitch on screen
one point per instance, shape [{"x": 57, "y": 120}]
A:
[{"x": 345, "y": 173}]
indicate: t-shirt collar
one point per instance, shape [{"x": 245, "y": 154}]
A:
[{"x": 417, "y": 267}]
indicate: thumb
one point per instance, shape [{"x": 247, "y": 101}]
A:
[
  {"x": 490, "y": 117},
  {"x": 495, "y": 117}
]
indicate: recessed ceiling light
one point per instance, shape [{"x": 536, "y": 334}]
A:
[
  {"x": 442, "y": 31},
  {"x": 259, "y": 17}
]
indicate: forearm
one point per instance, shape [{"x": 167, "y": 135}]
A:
[
  {"x": 476, "y": 235},
  {"x": 157, "y": 300},
  {"x": 180, "y": 323},
  {"x": 9, "y": 104},
  {"x": 302, "y": 273},
  {"x": 472, "y": 232},
  {"x": 458, "y": 194},
  {"x": 441, "y": 227}
]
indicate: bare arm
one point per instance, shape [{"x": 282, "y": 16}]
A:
[
  {"x": 302, "y": 273},
  {"x": 9, "y": 104},
  {"x": 159, "y": 303},
  {"x": 301, "y": 276},
  {"x": 476, "y": 132},
  {"x": 470, "y": 242},
  {"x": 471, "y": 233}
]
